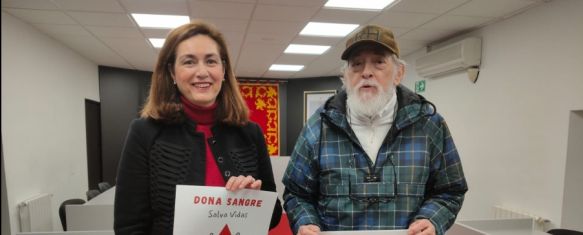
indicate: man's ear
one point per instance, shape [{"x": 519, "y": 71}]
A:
[{"x": 399, "y": 75}]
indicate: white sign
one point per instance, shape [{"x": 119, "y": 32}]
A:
[
  {"x": 313, "y": 100},
  {"x": 204, "y": 210},
  {"x": 367, "y": 232}
]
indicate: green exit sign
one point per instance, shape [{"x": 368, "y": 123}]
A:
[{"x": 419, "y": 86}]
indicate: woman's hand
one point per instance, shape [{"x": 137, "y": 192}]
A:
[{"x": 240, "y": 182}]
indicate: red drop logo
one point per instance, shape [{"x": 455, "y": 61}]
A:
[{"x": 226, "y": 230}]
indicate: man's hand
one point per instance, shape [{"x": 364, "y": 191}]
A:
[
  {"x": 240, "y": 182},
  {"x": 309, "y": 229},
  {"x": 421, "y": 227}
]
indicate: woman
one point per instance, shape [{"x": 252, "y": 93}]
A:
[{"x": 193, "y": 130}]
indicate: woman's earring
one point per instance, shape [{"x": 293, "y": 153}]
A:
[{"x": 174, "y": 82}]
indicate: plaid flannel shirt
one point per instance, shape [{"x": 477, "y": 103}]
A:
[{"x": 418, "y": 172}]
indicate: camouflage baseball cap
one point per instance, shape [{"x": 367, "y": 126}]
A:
[{"x": 371, "y": 34}]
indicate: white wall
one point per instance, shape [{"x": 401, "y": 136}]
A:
[
  {"x": 44, "y": 85},
  {"x": 511, "y": 127}
]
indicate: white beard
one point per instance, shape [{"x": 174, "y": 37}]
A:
[{"x": 367, "y": 104}]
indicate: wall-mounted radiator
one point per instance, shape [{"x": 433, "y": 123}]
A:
[
  {"x": 36, "y": 214},
  {"x": 502, "y": 212}
]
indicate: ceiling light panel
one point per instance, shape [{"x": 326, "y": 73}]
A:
[
  {"x": 157, "y": 42},
  {"x": 359, "y": 4},
  {"x": 286, "y": 67},
  {"x": 306, "y": 49},
  {"x": 327, "y": 29},
  {"x": 160, "y": 21}
]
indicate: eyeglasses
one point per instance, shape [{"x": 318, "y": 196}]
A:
[{"x": 373, "y": 190}]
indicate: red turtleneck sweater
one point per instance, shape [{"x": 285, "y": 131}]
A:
[{"x": 204, "y": 118}]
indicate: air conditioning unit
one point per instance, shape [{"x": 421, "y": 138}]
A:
[{"x": 462, "y": 55}]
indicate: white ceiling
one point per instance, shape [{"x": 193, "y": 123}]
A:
[{"x": 257, "y": 31}]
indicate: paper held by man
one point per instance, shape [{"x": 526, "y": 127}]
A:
[
  {"x": 368, "y": 232},
  {"x": 214, "y": 210}
]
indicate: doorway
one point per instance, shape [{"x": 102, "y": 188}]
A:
[
  {"x": 572, "y": 206},
  {"x": 93, "y": 130}
]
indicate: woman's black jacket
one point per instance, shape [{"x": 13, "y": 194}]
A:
[{"x": 156, "y": 157}]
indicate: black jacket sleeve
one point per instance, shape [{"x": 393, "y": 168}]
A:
[
  {"x": 265, "y": 173},
  {"x": 132, "y": 213}
]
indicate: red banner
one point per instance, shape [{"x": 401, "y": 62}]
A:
[{"x": 263, "y": 102}]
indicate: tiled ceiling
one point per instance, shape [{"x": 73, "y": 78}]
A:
[{"x": 257, "y": 31}]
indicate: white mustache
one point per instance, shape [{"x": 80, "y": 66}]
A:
[{"x": 367, "y": 83}]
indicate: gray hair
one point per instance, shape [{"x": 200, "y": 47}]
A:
[{"x": 393, "y": 57}]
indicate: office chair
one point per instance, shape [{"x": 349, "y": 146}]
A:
[
  {"x": 561, "y": 231},
  {"x": 92, "y": 193},
  {"x": 103, "y": 186},
  {"x": 63, "y": 211}
]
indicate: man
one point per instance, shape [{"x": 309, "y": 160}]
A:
[{"x": 376, "y": 156}]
